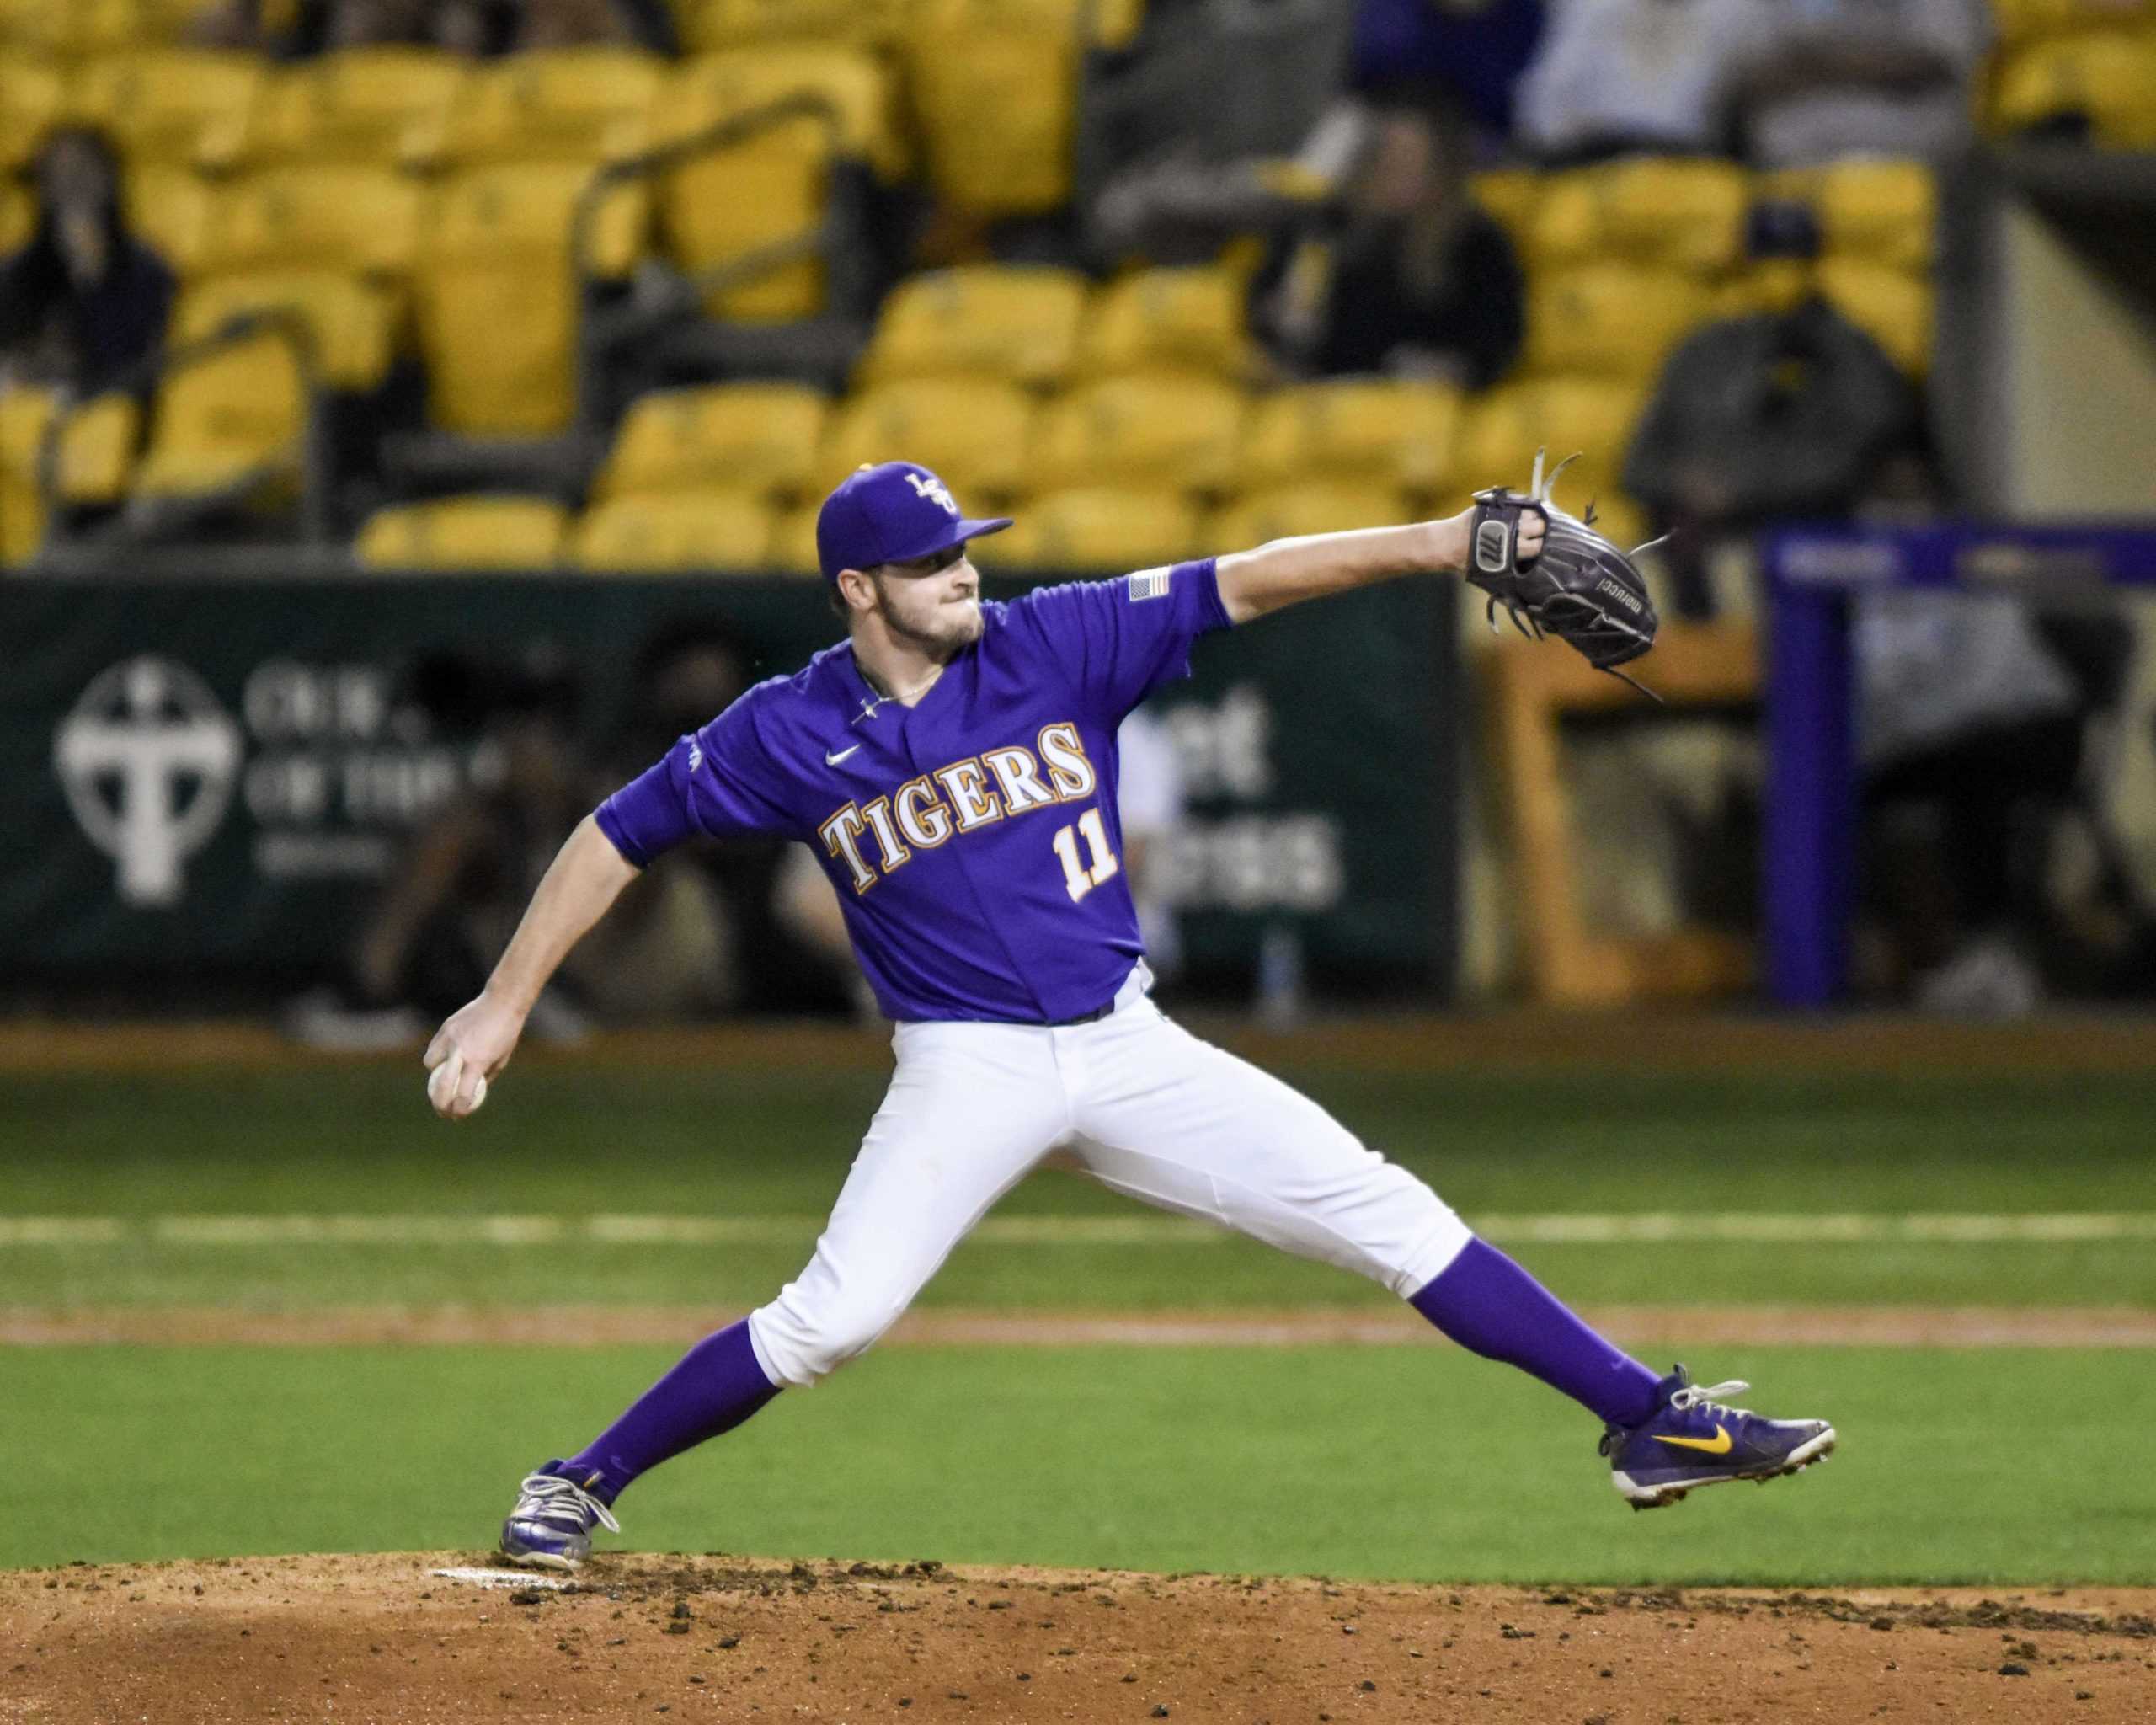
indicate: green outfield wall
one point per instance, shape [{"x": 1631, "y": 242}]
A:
[{"x": 210, "y": 777}]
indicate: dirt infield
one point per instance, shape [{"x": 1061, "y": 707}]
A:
[
  {"x": 388, "y": 1637},
  {"x": 610, "y": 1326}
]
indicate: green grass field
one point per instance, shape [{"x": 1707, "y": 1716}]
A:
[{"x": 1996, "y": 1465}]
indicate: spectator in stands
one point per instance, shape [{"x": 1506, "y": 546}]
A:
[
  {"x": 686, "y": 672},
  {"x": 86, "y": 300},
  {"x": 1473, "y": 50},
  {"x": 1969, "y": 732},
  {"x": 1776, "y": 415},
  {"x": 1615, "y": 76},
  {"x": 1823, "y": 78},
  {"x": 448, "y": 909},
  {"x": 1402, "y": 275}
]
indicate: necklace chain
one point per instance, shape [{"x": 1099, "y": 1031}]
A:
[{"x": 868, "y": 707}]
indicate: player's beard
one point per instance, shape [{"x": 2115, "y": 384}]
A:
[{"x": 949, "y": 627}]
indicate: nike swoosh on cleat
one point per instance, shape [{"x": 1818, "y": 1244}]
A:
[
  {"x": 834, "y": 759},
  {"x": 1718, "y": 1444}
]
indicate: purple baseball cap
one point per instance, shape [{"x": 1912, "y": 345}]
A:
[{"x": 891, "y": 513}]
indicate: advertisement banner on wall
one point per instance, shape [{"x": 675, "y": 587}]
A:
[{"x": 214, "y": 778}]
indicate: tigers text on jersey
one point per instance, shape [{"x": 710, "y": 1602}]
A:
[{"x": 973, "y": 837}]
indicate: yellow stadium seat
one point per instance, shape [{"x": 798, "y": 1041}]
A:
[
  {"x": 1685, "y": 214},
  {"x": 1613, "y": 319},
  {"x": 995, "y": 84},
  {"x": 713, "y": 87},
  {"x": 17, "y": 216},
  {"x": 173, "y": 209},
  {"x": 368, "y": 106},
  {"x": 709, "y": 25},
  {"x": 1368, "y": 432},
  {"x": 1159, "y": 320},
  {"x": 1562, "y": 227},
  {"x": 95, "y": 453},
  {"x": 1511, "y": 196},
  {"x": 1320, "y": 506},
  {"x": 2108, "y": 76},
  {"x": 1880, "y": 211},
  {"x": 1591, "y": 417},
  {"x": 1672, "y": 212},
  {"x": 774, "y": 186},
  {"x": 794, "y": 544},
  {"x": 974, "y": 432},
  {"x": 571, "y": 104},
  {"x": 237, "y": 414},
  {"x": 761, "y": 439},
  {"x": 693, "y": 530},
  {"x": 69, "y": 29},
  {"x": 1892, "y": 307},
  {"x": 242, "y": 412},
  {"x": 184, "y": 106},
  {"x": 360, "y": 221},
  {"x": 1173, "y": 430},
  {"x": 480, "y": 531},
  {"x": 32, "y": 96},
  {"x": 353, "y": 322},
  {"x": 1020, "y": 324},
  {"x": 496, "y": 300},
  {"x": 1098, "y": 527},
  {"x": 2024, "y": 20}
]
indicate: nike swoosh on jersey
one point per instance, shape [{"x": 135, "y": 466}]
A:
[
  {"x": 1718, "y": 1444},
  {"x": 830, "y": 759}
]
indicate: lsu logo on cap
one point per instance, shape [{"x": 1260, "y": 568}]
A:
[{"x": 935, "y": 491}]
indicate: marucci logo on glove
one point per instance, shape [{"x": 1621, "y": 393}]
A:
[
  {"x": 1579, "y": 587},
  {"x": 1492, "y": 548}
]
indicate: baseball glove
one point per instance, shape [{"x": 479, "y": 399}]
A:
[{"x": 1580, "y": 587}]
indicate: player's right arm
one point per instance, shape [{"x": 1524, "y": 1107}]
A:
[
  {"x": 579, "y": 886},
  {"x": 719, "y": 782}
]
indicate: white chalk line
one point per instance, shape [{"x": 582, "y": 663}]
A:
[{"x": 1558, "y": 1228}]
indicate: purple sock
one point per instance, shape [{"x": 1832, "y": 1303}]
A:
[
  {"x": 715, "y": 1386},
  {"x": 1491, "y": 1306}
]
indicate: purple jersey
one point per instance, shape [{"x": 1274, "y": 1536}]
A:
[{"x": 973, "y": 837}]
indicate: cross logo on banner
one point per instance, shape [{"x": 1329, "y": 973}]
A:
[{"x": 148, "y": 760}]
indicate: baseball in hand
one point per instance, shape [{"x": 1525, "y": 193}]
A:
[{"x": 442, "y": 1082}]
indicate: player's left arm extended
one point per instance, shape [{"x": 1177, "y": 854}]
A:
[{"x": 1287, "y": 571}]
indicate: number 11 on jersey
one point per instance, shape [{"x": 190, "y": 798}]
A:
[{"x": 1080, "y": 878}]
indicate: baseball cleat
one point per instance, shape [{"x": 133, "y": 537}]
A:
[
  {"x": 1693, "y": 1440},
  {"x": 551, "y": 1526}
]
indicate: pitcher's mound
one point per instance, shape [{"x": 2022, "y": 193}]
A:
[{"x": 456, "y": 1636}]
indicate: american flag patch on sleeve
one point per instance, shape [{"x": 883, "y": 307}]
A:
[{"x": 1149, "y": 583}]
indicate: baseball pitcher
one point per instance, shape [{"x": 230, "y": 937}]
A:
[{"x": 952, "y": 765}]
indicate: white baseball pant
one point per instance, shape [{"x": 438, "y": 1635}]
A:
[{"x": 1132, "y": 1099}]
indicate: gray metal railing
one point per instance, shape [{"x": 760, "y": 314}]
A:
[
  {"x": 288, "y": 324},
  {"x": 600, "y": 336}
]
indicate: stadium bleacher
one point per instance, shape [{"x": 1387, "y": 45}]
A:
[{"x": 404, "y": 202}]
